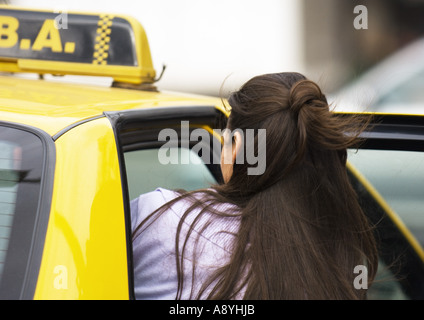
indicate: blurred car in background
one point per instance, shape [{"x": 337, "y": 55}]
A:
[{"x": 396, "y": 85}]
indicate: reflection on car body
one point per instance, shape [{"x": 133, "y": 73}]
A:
[{"x": 73, "y": 156}]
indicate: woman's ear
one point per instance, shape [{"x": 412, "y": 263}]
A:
[{"x": 237, "y": 145}]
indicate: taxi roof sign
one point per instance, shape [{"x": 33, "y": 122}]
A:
[{"x": 74, "y": 43}]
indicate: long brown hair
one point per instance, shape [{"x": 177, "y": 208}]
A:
[{"x": 301, "y": 229}]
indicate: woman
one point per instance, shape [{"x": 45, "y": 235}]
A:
[{"x": 294, "y": 232}]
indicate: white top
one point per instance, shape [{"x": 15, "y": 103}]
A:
[{"x": 155, "y": 271}]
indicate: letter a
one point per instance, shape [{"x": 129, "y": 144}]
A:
[
  {"x": 48, "y": 37},
  {"x": 361, "y": 280},
  {"x": 61, "y": 280},
  {"x": 171, "y": 146},
  {"x": 361, "y": 21},
  {"x": 61, "y": 21}
]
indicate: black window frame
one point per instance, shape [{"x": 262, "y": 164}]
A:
[{"x": 149, "y": 121}]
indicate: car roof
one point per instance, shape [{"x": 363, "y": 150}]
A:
[{"x": 53, "y": 106}]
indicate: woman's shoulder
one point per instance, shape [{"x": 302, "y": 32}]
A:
[{"x": 146, "y": 203}]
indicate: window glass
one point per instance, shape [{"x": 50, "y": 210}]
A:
[
  {"x": 386, "y": 286},
  {"x": 399, "y": 178},
  {"x": 184, "y": 170},
  {"x": 21, "y": 167},
  {"x": 10, "y": 165}
]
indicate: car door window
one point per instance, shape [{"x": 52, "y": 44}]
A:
[
  {"x": 188, "y": 158},
  {"x": 145, "y": 172},
  {"x": 386, "y": 286},
  {"x": 10, "y": 163},
  {"x": 390, "y": 186},
  {"x": 22, "y": 157},
  {"x": 398, "y": 176}
]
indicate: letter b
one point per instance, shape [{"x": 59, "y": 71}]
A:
[
  {"x": 8, "y": 34},
  {"x": 250, "y": 309}
]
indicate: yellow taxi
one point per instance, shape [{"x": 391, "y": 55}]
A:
[{"x": 72, "y": 156}]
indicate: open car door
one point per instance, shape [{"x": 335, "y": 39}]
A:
[{"x": 387, "y": 172}]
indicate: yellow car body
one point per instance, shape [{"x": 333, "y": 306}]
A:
[
  {"x": 86, "y": 238},
  {"x": 85, "y": 252},
  {"x": 79, "y": 246}
]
